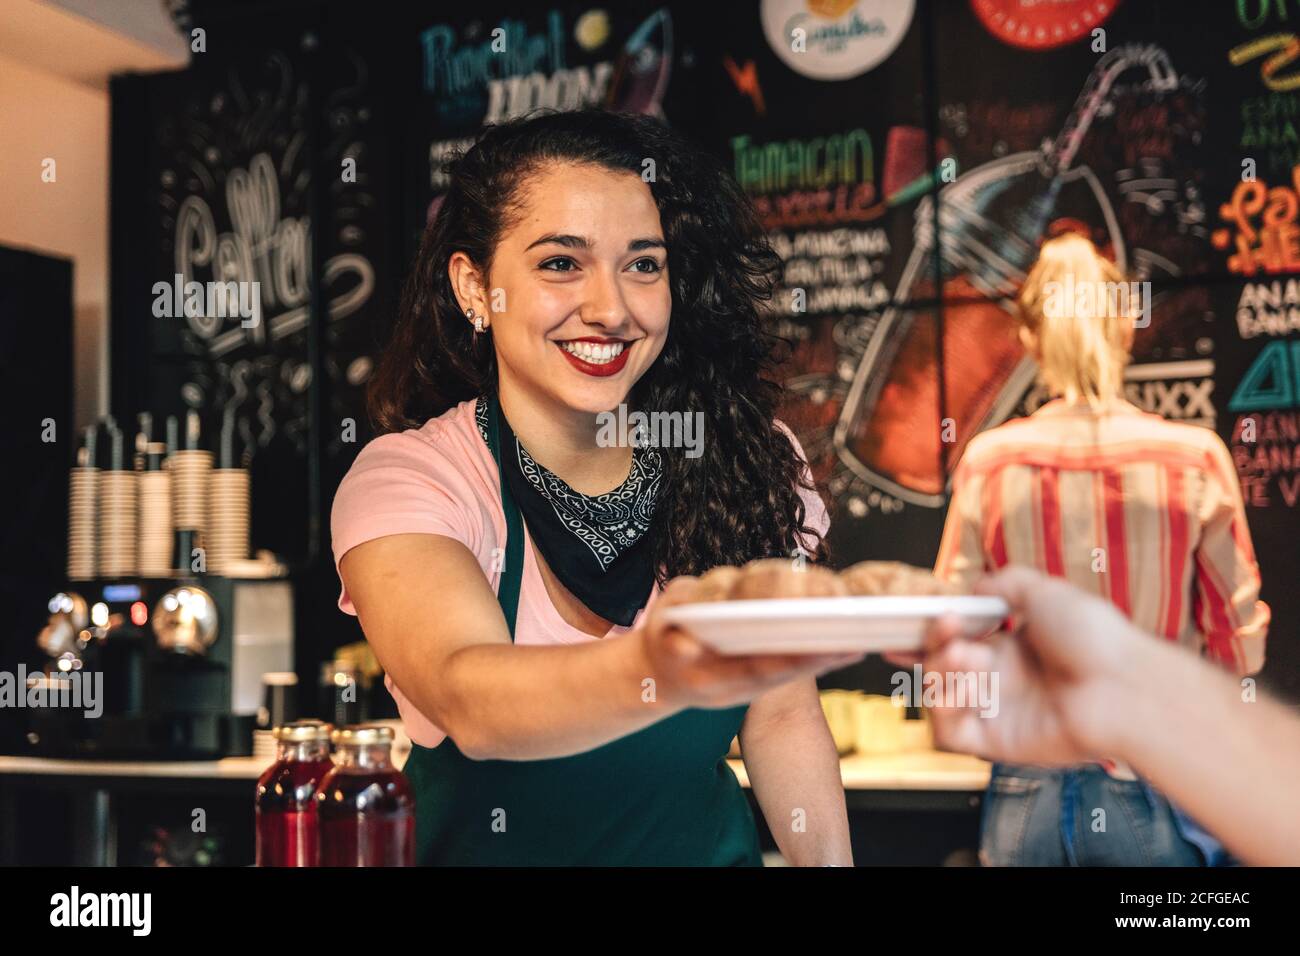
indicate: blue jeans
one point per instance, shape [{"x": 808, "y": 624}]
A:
[{"x": 1081, "y": 816}]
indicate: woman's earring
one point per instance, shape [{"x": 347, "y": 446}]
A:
[{"x": 478, "y": 320}]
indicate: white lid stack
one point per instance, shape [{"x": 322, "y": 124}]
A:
[
  {"x": 155, "y": 523},
  {"x": 228, "y": 509},
  {"x": 156, "y": 518},
  {"x": 117, "y": 523},
  {"x": 190, "y": 471},
  {"x": 83, "y": 494},
  {"x": 117, "y": 510}
]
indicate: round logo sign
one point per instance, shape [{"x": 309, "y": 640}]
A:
[
  {"x": 1035, "y": 25},
  {"x": 835, "y": 39}
]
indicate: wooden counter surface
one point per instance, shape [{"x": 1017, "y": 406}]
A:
[{"x": 917, "y": 770}]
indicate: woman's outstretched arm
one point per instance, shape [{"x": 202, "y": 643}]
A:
[{"x": 436, "y": 627}]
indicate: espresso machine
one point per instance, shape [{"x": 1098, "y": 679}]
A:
[{"x": 178, "y": 660}]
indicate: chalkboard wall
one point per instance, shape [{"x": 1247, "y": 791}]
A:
[{"x": 907, "y": 160}]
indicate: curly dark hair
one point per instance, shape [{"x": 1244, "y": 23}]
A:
[{"x": 738, "y": 500}]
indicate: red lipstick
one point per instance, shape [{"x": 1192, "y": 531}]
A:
[{"x": 604, "y": 369}]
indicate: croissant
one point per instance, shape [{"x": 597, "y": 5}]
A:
[{"x": 892, "y": 578}]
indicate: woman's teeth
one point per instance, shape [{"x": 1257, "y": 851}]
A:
[{"x": 592, "y": 352}]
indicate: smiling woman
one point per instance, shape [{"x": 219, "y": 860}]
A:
[
  {"x": 508, "y": 560},
  {"x": 680, "y": 237},
  {"x": 597, "y": 301}
]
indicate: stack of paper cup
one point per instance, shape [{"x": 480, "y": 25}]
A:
[
  {"x": 190, "y": 471},
  {"x": 117, "y": 523},
  {"x": 227, "y": 538},
  {"x": 155, "y": 524},
  {"x": 83, "y": 492}
]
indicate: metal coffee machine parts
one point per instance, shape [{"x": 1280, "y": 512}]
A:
[{"x": 175, "y": 665}]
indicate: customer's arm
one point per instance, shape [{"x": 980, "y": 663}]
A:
[
  {"x": 1231, "y": 761},
  {"x": 1078, "y": 681}
]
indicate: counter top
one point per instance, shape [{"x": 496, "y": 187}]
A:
[
  {"x": 915, "y": 770},
  {"x": 910, "y": 770},
  {"x": 229, "y": 768}
]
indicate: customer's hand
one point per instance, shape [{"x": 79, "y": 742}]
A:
[
  {"x": 689, "y": 674},
  {"x": 1065, "y": 674}
]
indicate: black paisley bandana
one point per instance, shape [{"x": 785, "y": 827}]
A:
[{"x": 597, "y": 545}]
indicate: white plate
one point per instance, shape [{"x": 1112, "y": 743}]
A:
[{"x": 831, "y": 625}]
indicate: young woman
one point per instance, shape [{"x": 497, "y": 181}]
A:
[
  {"x": 505, "y": 552},
  {"x": 1141, "y": 511}
]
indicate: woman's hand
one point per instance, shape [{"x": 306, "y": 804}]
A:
[
  {"x": 689, "y": 674},
  {"x": 1062, "y": 674}
]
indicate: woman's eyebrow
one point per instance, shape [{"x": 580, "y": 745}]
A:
[
  {"x": 572, "y": 242},
  {"x": 581, "y": 242}
]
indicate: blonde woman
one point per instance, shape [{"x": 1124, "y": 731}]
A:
[{"x": 1143, "y": 512}]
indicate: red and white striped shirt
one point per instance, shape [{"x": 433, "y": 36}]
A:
[{"x": 1142, "y": 511}]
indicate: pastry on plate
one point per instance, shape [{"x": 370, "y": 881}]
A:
[
  {"x": 772, "y": 578},
  {"x": 892, "y": 579},
  {"x": 716, "y": 584},
  {"x": 766, "y": 578}
]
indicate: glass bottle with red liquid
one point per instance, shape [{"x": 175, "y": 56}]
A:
[
  {"x": 287, "y": 829},
  {"x": 365, "y": 804}
]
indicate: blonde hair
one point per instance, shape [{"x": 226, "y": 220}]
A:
[{"x": 1077, "y": 305}]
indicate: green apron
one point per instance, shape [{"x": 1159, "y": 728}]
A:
[{"x": 662, "y": 796}]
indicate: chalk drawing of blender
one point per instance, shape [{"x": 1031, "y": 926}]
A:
[{"x": 891, "y": 432}]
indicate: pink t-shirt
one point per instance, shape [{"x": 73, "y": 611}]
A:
[{"x": 441, "y": 479}]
